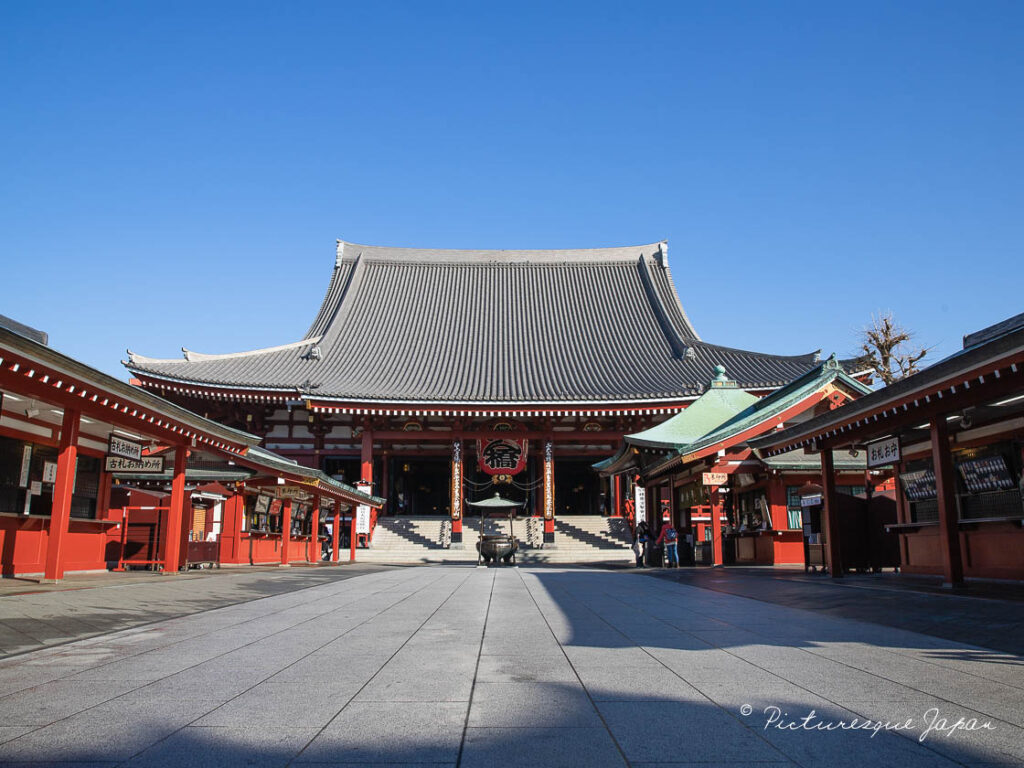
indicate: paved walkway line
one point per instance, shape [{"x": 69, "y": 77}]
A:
[{"x": 468, "y": 668}]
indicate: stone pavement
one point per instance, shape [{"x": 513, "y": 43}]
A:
[
  {"x": 462, "y": 666},
  {"x": 990, "y": 614},
  {"x": 34, "y": 615}
]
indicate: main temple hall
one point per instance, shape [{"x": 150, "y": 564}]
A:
[{"x": 438, "y": 376}]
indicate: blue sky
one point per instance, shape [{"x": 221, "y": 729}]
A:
[{"x": 176, "y": 173}]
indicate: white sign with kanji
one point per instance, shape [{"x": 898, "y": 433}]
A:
[
  {"x": 884, "y": 452},
  {"x": 640, "y": 502}
]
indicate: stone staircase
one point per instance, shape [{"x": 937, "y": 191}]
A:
[{"x": 578, "y": 539}]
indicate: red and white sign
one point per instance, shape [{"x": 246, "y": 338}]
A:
[
  {"x": 363, "y": 510},
  {"x": 502, "y": 456},
  {"x": 715, "y": 478}
]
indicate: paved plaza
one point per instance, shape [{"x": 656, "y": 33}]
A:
[{"x": 463, "y": 666}]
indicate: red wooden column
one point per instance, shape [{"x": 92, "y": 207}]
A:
[
  {"x": 352, "y": 537},
  {"x": 187, "y": 513},
  {"x": 366, "y": 470},
  {"x": 103, "y": 499},
  {"x": 173, "y": 522},
  {"x": 617, "y": 495},
  {"x": 549, "y": 491},
  {"x": 716, "y": 526},
  {"x": 456, "y": 493},
  {"x": 286, "y": 531},
  {"x": 231, "y": 528},
  {"x": 945, "y": 490},
  {"x": 60, "y": 516},
  {"x": 313, "y": 548},
  {"x": 335, "y": 531},
  {"x": 831, "y": 512}
]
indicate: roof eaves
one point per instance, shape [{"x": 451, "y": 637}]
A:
[
  {"x": 70, "y": 366},
  {"x": 772, "y": 405},
  {"x": 918, "y": 384}
]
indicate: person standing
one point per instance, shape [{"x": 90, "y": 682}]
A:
[
  {"x": 669, "y": 536},
  {"x": 643, "y": 536}
]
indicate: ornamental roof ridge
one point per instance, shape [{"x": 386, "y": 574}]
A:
[
  {"x": 188, "y": 356},
  {"x": 505, "y": 256},
  {"x": 808, "y": 357}
]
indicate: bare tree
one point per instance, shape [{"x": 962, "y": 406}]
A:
[{"x": 887, "y": 348}]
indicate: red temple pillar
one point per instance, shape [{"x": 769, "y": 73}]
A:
[
  {"x": 366, "y": 457},
  {"x": 716, "y": 526},
  {"x": 60, "y": 516},
  {"x": 353, "y": 537},
  {"x": 831, "y": 512},
  {"x": 549, "y": 491},
  {"x": 231, "y": 528},
  {"x": 617, "y": 495},
  {"x": 174, "y": 523},
  {"x": 313, "y": 548},
  {"x": 187, "y": 517},
  {"x": 286, "y": 531},
  {"x": 335, "y": 531},
  {"x": 945, "y": 490},
  {"x": 456, "y": 493},
  {"x": 103, "y": 498}
]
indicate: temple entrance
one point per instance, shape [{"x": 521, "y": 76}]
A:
[
  {"x": 524, "y": 487},
  {"x": 343, "y": 468},
  {"x": 578, "y": 488},
  {"x": 419, "y": 486}
]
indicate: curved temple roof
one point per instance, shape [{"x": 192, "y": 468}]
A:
[{"x": 402, "y": 325}]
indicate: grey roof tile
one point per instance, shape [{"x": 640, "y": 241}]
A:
[{"x": 438, "y": 326}]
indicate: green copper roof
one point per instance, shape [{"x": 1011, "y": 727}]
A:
[
  {"x": 718, "y": 404},
  {"x": 801, "y": 460},
  {"x": 762, "y": 411},
  {"x": 622, "y": 460},
  {"x": 779, "y": 401}
]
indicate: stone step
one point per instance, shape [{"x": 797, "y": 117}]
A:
[{"x": 584, "y": 539}]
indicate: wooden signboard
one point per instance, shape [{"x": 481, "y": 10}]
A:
[
  {"x": 884, "y": 452},
  {"x": 127, "y": 449},
  {"x": 456, "y": 480},
  {"x": 714, "y": 478},
  {"x": 143, "y": 466}
]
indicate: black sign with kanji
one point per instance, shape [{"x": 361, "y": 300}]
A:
[{"x": 502, "y": 457}]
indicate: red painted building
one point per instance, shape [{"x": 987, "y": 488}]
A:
[
  {"x": 953, "y": 435},
  {"x": 67, "y": 431},
  {"x": 424, "y": 371},
  {"x": 697, "y": 471}
]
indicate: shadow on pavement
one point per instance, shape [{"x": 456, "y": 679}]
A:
[
  {"x": 575, "y": 668},
  {"x": 43, "y": 619},
  {"x": 975, "y": 619}
]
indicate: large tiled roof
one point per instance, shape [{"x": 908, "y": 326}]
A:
[{"x": 401, "y": 325}]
